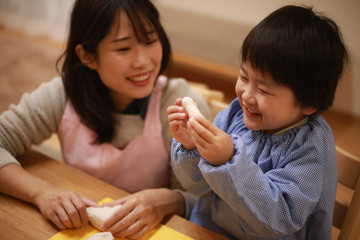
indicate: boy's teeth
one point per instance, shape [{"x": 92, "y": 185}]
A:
[
  {"x": 140, "y": 78},
  {"x": 250, "y": 111}
]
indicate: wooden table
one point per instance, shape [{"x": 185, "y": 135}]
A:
[{"x": 21, "y": 220}]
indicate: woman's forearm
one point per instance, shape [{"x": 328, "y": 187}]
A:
[
  {"x": 52, "y": 201},
  {"x": 175, "y": 202},
  {"x": 17, "y": 182}
]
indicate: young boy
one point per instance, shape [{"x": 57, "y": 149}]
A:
[{"x": 266, "y": 168}]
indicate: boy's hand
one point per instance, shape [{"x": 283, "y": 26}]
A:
[
  {"x": 178, "y": 117},
  {"x": 213, "y": 144}
]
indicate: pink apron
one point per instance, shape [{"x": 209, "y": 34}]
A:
[{"x": 142, "y": 164}]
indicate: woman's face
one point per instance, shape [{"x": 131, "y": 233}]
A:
[
  {"x": 127, "y": 67},
  {"x": 267, "y": 106}
]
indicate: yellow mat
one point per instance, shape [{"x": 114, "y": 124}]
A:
[{"x": 160, "y": 232}]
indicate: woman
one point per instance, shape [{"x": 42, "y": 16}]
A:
[{"x": 108, "y": 104}]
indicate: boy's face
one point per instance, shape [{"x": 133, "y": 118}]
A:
[{"x": 267, "y": 106}]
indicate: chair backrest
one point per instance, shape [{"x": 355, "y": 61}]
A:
[
  {"x": 216, "y": 106},
  {"x": 214, "y": 98},
  {"x": 347, "y": 205}
]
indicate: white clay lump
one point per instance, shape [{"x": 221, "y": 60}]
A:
[
  {"x": 98, "y": 215},
  {"x": 102, "y": 236},
  {"x": 190, "y": 107}
]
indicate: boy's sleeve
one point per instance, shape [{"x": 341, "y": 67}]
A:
[
  {"x": 190, "y": 201},
  {"x": 185, "y": 166},
  {"x": 292, "y": 191}
]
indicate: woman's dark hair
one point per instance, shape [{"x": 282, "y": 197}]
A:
[
  {"x": 91, "y": 21},
  {"x": 300, "y": 50}
]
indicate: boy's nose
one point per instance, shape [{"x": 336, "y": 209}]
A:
[{"x": 248, "y": 96}]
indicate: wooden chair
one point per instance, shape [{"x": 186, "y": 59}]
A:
[
  {"x": 346, "y": 220},
  {"x": 214, "y": 98},
  {"x": 50, "y": 147},
  {"x": 215, "y": 75}
]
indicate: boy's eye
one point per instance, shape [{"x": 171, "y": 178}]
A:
[
  {"x": 263, "y": 91},
  {"x": 123, "y": 49},
  {"x": 244, "y": 78}
]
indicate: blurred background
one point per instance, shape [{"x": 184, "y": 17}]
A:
[
  {"x": 33, "y": 32},
  {"x": 208, "y": 29},
  {"x": 214, "y": 30}
]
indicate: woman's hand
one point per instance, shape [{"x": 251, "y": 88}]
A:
[
  {"x": 65, "y": 209},
  {"x": 178, "y": 117},
  {"x": 214, "y": 145},
  {"x": 142, "y": 211}
]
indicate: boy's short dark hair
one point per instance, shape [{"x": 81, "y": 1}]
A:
[{"x": 301, "y": 50}]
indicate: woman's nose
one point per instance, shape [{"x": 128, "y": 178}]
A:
[{"x": 140, "y": 57}]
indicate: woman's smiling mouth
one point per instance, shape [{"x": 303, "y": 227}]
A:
[{"x": 140, "y": 78}]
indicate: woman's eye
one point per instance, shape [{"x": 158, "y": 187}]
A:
[{"x": 151, "y": 41}]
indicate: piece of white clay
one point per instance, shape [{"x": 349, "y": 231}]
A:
[
  {"x": 101, "y": 236},
  {"x": 190, "y": 107},
  {"x": 98, "y": 215}
]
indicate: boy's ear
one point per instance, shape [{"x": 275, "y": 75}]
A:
[
  {"x": 86, "y": 58},
  {"x": 309, "y": 110}
]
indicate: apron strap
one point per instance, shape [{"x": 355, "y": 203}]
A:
[{"x": 153, "y": 110}]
